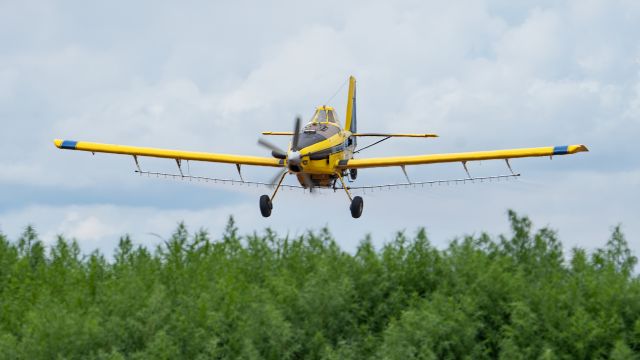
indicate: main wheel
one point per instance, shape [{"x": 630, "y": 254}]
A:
[
  {"x": 353, "y": 174},
  {"x": 356, "y": 207},
  {"x": 265, "y": 205}
]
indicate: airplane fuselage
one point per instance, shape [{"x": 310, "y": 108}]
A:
[{"x": 323, "y": 146}]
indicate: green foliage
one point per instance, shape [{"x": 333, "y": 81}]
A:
[{"x": 263, "y": 296}]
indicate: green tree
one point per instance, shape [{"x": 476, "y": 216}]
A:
[{"x": 265, "y": 296}]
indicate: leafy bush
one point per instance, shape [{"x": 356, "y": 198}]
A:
[{"x": 265, "y": 296}]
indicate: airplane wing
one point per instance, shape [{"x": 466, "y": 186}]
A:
[
  {"x": 461, "y": 157},
  {"x": 167, "y": 153}
]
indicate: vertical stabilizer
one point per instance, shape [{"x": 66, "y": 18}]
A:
[{"x": 350, "y": 119}]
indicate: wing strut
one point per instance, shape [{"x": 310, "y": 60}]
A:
[
  {"x": 239, "y": 172},
  {"x": 405, "y": 173},
  {"x": 370, "y": 145},
  {"x": 179, "y": 162},
  {"x": 135, "y": 158},
  {"x": 464, "y": 164},
  {"x": 509, "y": 166}
]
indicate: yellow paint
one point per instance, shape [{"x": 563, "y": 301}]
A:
[
  {"x": 458, "y": 157},
  {"x": 289, "y": 133},
  {"x": 336, "y": 163},
  {"x": 351, "y": 94},
  {"x": 174, "y": 154},
  {"x": 325, "y": 166}
]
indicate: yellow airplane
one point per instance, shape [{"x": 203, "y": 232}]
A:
[{"x": 321, "y": 154}]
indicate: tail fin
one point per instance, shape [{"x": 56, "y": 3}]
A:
[{"x": 350, "y": 119}]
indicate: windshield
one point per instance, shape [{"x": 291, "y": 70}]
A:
[
  {"x": 321, "y": 116},
  {"x": 332, "y": 116},
  {"x": 314, "y": 133},
  {"x": 325, "y": 115}
]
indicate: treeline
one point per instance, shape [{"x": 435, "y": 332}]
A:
[{"x": 272, "y": 297}]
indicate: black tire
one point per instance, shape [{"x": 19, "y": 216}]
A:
[
  {"x": 265, "y": 205},
  {"x": 356, "y": 207},
  {"x": 353, "y": 174}
]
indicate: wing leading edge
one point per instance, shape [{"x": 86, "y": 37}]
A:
[
  {"x": 461, "y": 157},
  {"x": 166, "y": 153}
]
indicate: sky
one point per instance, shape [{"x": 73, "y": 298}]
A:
[{"x": 211, "y": 75}]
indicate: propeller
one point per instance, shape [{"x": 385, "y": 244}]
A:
[
  {"x": 276, "y": 152},
  {"x": 306, "y": 179},
  {"x": 276, "y": 178},
  {"x": 293, "y": 156},
  {"x": 296, "y": 134}
]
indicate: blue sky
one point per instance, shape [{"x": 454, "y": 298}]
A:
[{"x": 211, "y": 75}]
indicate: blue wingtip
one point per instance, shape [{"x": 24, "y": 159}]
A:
[
  {"x": 561, "y": 150},
  {"x": 69, "y": 144}
]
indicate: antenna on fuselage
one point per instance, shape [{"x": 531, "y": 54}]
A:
[{"x": 337, "y": 91}]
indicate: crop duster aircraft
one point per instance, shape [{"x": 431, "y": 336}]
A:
[{"x": 321, "y": 155}]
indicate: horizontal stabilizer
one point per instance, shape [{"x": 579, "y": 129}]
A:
[
  {"x": 288, "y": 133},
  {"x": 395, "y": 135}
]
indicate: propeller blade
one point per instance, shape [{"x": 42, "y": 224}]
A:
[
  {"x": 306, "y": 178},
  {"x": 276, "y": 178},
  {"x": 275, "y": 150},
  {"x": 296, "y": 134}
]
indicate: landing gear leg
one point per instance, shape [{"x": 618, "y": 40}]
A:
[
  {"x": 357, "y": 204},
  {"x": 266, "y": 202}
]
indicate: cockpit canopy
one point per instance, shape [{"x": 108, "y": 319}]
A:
[
  {"x": 324, "y": 124},
  {"x": 325, "y": 114}
]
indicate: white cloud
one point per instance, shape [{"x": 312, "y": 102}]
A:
[
  {"x": 210, "y": 76},
  {"x": 7, "y": 83},
  {"x": 558, "y": 201},
  {"x": 304, "y": 66},
  {"x": 538, "y": 47},
  {"x": 100, "y": 226}
]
